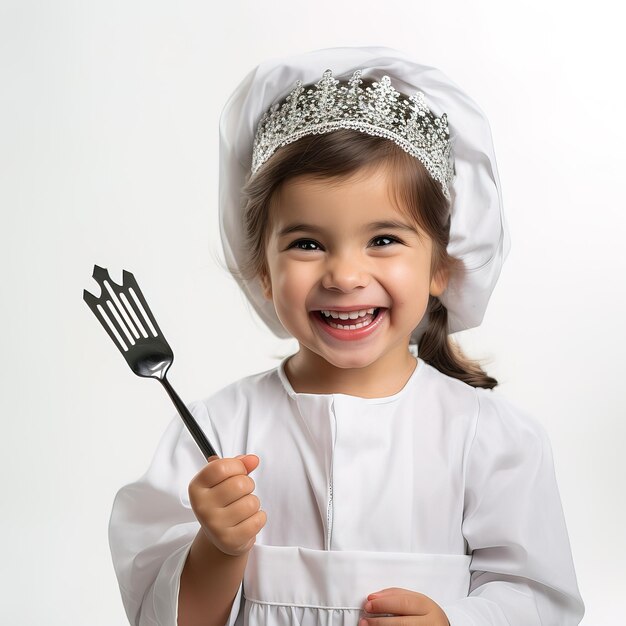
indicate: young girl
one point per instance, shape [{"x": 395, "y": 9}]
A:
[{"x": 361, "y": 214}]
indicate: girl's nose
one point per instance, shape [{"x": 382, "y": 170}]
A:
[{"x": 345, "y": 273}]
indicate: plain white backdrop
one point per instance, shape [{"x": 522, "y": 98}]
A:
[{"x": 108, "y": 154}]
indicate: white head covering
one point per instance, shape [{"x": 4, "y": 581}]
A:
[{"x": 478, "y": 232}]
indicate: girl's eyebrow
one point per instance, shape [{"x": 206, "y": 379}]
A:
[{"x": 380, "y": 225}]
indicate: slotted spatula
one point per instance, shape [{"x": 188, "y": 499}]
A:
[{"x": 125, "y": 315}]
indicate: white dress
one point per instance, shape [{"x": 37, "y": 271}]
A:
[{"x": 441, "y": 488}]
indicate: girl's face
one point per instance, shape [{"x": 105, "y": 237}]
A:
[{"x": 328, "y": 251}]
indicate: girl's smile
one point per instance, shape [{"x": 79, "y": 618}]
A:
[
  {"x": 352, "y": 324},
  {"x": 348, "y": 272}
]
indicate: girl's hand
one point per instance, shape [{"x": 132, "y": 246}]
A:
[
  {"x": 221, "y": 498},
  {"x": 413, "y": 609}
]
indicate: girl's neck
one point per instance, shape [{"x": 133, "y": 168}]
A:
[{"x": 310, "y": 373}]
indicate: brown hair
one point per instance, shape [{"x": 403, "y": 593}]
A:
[{"x": 342, "y": 153}]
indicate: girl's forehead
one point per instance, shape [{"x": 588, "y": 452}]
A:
[
  {"x": 377, "y": 175},
  {"x": 307, "y": 194}
]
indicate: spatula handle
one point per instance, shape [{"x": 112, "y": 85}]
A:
[{"x": 190, "y": 422}]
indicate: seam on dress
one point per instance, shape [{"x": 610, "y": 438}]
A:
[{"x": 304, "y": 606}]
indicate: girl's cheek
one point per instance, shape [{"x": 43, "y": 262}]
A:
[{"x": 298, "y": 273}]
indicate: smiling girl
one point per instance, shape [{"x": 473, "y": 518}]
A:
[{"x": 392, "y": 486}]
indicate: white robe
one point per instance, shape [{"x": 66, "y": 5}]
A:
[{"x": 441, "y": 488}]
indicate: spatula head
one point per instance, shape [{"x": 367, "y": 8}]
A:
[{"x": 125, "y": 315}]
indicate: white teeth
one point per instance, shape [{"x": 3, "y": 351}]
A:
[
  {"x": 351, "y": 326},
  {"x": 344, "y": 315}
]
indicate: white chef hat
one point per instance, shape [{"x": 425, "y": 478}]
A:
[{"x": 478, "y": 231}]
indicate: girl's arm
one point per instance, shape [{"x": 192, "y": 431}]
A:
[
  {"x": 152, "y": 528},
  {"x": 522, "y": 572},
  {"x": 208, "y": 585},
  {"x": 221, "y": 496}
]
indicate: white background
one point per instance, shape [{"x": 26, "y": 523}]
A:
[{"x": 108, "y": 154}]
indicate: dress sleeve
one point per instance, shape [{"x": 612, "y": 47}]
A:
[
  {"x": 522, "y": 572},
  {"x": 152, "y": 527}
]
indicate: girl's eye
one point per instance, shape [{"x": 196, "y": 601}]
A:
[
  {"x": 296, "y": 244},
  {"x": 388, "y": 238}
]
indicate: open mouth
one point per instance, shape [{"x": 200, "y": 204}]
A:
[{"x": 350, "y": 323}]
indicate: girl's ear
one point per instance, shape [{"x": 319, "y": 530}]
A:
[{"x": 439, "y": 282}]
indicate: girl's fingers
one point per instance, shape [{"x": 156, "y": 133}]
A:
[
  {"x": 399, "y": 602},
  {"x": 219, "y": 470},
  {"x": 232, "y": 489},
  {"x": 244, "y": 531},
  {"x": 240, "y": 510}
]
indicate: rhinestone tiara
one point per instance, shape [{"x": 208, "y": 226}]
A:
[{"x": 378, "y": 110}]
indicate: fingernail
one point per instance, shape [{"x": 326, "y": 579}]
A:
[
  {"x": 363, "y": 622},
  {"x": 368, "y": 607}
]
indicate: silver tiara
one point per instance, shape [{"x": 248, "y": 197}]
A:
[{"x": 378, "y": 110}]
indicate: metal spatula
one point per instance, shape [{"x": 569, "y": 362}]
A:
[{"x": 126, "y": 317}]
